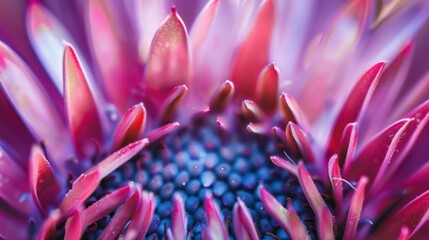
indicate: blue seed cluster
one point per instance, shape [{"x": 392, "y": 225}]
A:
[{"x": 201, "y": 158}]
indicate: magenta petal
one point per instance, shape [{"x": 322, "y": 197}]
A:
[
  {"x": 288, "y": 220},
  {"x": 179, "y": 220},
  {"x": 404, "y": 234},
  {"x": 172, "y": 102},
  {"x": 142, "y": 217},
  {"x": 162, "y": 131},
  {"x": 302, "y": 142},
  {"x": 244, "y": 226},
  {"x": 43, "y": 183},
  {"x": 324, "y": 217},
  {"x": 117, "y": 67},
  {"x": 131, "y": 126},
  {"x": 120, "y": 219},
  {"x": 334, "y": 174},
  {"x": 202, "y": 25},
  {"x": 215, "y": 227},
  {"x": 74, "y": 229},
  {"x": 222, "y": 97},
  {"x": 48, "y": 229},
  {"x": 267, "y": 88},
  {"x": 354, "y": 105},
  {"x": 412, "y": 216},
  {"x": 253, "y": 54},
  {"x": 82, "y": 112},
  {"x": 290, "y": 111},
  {"x": 286, "y": 165},
  {"x": 347, "y": 146},
  {"x": 169, "y": 62},
  {"x": 105, "y": 205},
  {"x": 252, "y": 111},
  {"x": 355, "y": 209}
]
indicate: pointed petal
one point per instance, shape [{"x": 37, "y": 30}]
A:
[
  {"x": 131, "y": 126},
  {"x": 252, "y": 111},
  {"x": 48, "y": 229},
  {"x": 169, "y": 61},
  {"x": 33, "y": 104},
  {"x": 253, "y": 54},
  {"x": 347, "y": 146},
  {"x": 324, "y": 217},
  {"x": 43, "y": 183},
  {"x": 412, "y": 216},
  {"x": 302, "y": 142},
  {"x": 222, "y": 97},
  {"x": 118, "y": 67},
  {"x": 243, "y": 222},
  {"x": 202, "y": 24},
  {"x": 355, "y": 209},
  {"x": 172, "y": 102},
  {"x": 287, "y": 220},
  {"x": 258, "y": 128},
  {"x": 179, "y": 221},
  {"x": 120, "y": 219},
  {"x": 215, "y": 226},
  {"x": 355, "y": 104},
  {"x": 290, "y": 111},
  {"x": 267, "y": 88},
  {"x": 162, "y": 131},
  {"x": 105, "y": 205},
  {"x": 404, "y": 234},
  {"x": 286, "y": 165},
  {"x": 334, "y": 174},
  {"x": 82, "y": 112},
  {"x": 142, "y": 218},
  {"x": 74, "y": 229}
]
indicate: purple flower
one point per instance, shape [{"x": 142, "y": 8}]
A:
[{"x": 270, "y": 119}]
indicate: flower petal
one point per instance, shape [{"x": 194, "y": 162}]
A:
[
  {"x": 244, "y": 226},
  {"x": 347, "y": 146},
  {"x": 412, "y": 216},
  {"x": 289, "y": 221},
  {"x": 172, "y": 102},
  {"x": 267, "y": 88},
  {"x": 296, "y": 135},
  {"x": 43, "y": 183},
  {"x": 131, "y": 126},
  {"x": 202, "y": 24},
  {"x": 354, "y": 105},
  {"x": 162, "y": 131},
  {"x": 142, "y": 217},
  {"x": 222, "y": 97},
  {"x": 355, "y": 209},
  {"x": 73, "y": 228},
  {"x": 120, "y": 219},
  {"x": 105, "y": 205},
  {"x": 82, "y": 112},
  {"x": 253, "y": 54},
  {"x": 252, "y": 111},
  {"x": 324, "y": 217},
  {"x": 215, "y": 227},
  {"x": 290, "y": 111},
  {"x": 286, "y": 165},
  {"x": 169, "y": 61},
  {"x": 179, "y": 221},
  {"x": 334, "y": 174}
]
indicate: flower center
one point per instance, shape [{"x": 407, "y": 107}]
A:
[{"x": 200, "y": 158}]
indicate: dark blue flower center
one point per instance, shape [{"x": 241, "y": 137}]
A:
[{"x": 200, "y": 158}]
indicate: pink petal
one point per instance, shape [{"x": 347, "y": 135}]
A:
[
  {"x": 131, "y": 126},
  {"x": 412, "y": 216},
  {"x": 179, "y": 220},
  {"x": 404, "y": 234},
  {"x": 169, "y": 62},
  {"x": 118, "y": 67},
  {"x": 324, "y": 217},
  {"x": 347, "y": 146},
  {"x": 244, "y": 226},
  {"x": 172, "y": 102},
  {"x": 287, "y": 220},
  {"x": 290, "y": 110},
  {"x": 301, "y": 141},
  {"x": 267, "y": 88},
  {"x": 105, "y": 205},
  {"x": 354, "y": 105},
  {"x": 48, "y": 229},
  {"x": 286, "y": 165},
  {"x": 120, "y": 219},
  {"x": 74, "y": 229},
  {"x": 82, "y": 111},
  {"x": 355, "y": 209},
  {"x": 222, "y": 97},
  {"x": 334, "y": 173},
  {"x": 33, "y": 104},
  {"x": 258, "y": 128},
  {"x": 202, "y": 24},
  {"x": 252, "y": 111},
  {"x": 215, "y": 226},
  {"x": 162, "y": 131},
  {"x": 43, "y": 183},
  {"x": 253, "y": 54},
  {"x": 142, "y": 217}
]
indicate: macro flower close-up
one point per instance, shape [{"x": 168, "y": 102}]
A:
[{"x": 214, "y": 119}]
